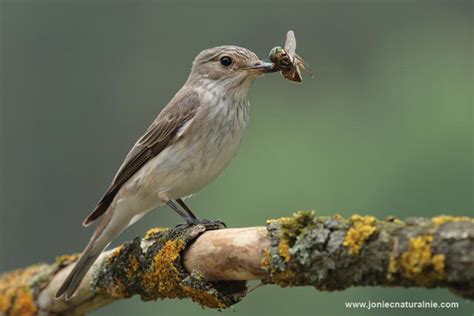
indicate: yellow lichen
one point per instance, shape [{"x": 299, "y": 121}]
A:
[
  {"x": 120, "y": 254},
  {"x": 284, "y": 250},
  {"x": 393, "y": 262},
  {"x": 440, "y": 220},
  {"x": 418, "y": 255},
  {"x": 164, "y": 280},
  {"x": 392, "y": 267},
  {"x": 438, "y": 262},
  {"x": 265, "y": 263},
  {"x": 116, "y": 253},
  {"x": 154, "y": 231},
  {"x": 362, "y": 228},
  {"x": 395, "y": 220},
  {"x": 280, "y": 220},
  {"x": 15, "y": 293},
  {"x": 67, "y": 259},
  {"x": 418, "y": 262},
  {"x": 284, "y": 278},
  {"x": 163, "y": 277},
  {"x": 289, "y": 228}
]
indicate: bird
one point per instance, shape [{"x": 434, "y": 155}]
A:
[{"x": 188, "y": 145}]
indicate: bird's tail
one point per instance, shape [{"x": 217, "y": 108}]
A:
[
  {"x": 87, "y": 259},
  {"x": 107, "y": 230}
]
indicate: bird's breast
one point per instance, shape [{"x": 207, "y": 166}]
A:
[
  {"x": 221, "y": 133},
  {"x": 203, "y": 150}
]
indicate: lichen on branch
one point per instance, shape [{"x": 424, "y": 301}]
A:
[
  {"x": 153, "y": 269},
  {"x": 19, "y": 288},
  {"x": 333, "y": 253},
  {"x": 211, "y": 265}
]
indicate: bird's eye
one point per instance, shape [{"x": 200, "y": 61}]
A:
[{"x": 226, "y": 61}]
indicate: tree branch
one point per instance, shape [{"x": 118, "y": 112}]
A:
[{"x": 210, "y": 265}]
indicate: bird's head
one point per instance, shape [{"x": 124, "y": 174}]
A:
[{"x": 229, "y": 67}]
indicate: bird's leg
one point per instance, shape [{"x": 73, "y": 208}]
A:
[
  {"x": 185, "y": 212},
  {"x": 189, "y": 218},
  {"x": 186, "y": 208}
]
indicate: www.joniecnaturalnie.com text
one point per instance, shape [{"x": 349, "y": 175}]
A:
[{"x": 401, "y": 305}]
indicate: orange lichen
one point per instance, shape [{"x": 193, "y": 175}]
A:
[
  {"x": 418, "y": 262},
  {"x": 362, "y": 228},
  {"x": 163, "y": 277},
  {"x": 164, "y": 280},
  {"x": 24, "y": 304},
  {"x": 203, "y": 298},
  {"x": 440, "y": 220},
  {"x": 133, "y": 268},
  {"x": 15, "y": 293}
]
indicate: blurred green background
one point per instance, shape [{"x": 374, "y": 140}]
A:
[{"x": 385, "y": 128}]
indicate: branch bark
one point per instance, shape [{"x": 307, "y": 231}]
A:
[{"x": 210, "y": 264}]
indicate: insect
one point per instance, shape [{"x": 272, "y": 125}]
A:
[{"x": 287, "y": 61}]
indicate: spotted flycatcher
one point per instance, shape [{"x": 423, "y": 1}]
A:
[{"x": 187, "y": 146}]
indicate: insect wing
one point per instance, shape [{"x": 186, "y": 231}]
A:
[
  {"x": 297, "y": 75},
  {"x": 300, "y": 63},
  {"x": 290, "y": 44}
]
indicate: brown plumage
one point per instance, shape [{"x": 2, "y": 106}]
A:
[{"x": 157, "y": 137}]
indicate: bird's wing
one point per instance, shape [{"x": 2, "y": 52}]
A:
[{"x": 165, "y": 129}]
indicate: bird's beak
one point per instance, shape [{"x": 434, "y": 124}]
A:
[{"x": 260, "y": 67}]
